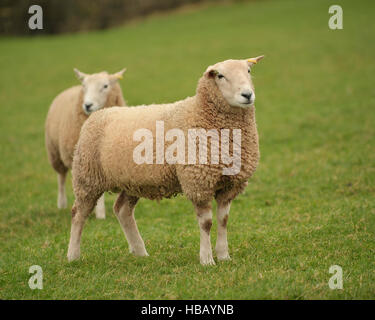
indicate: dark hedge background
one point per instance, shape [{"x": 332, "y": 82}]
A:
[{"x": 61, "y": 16}]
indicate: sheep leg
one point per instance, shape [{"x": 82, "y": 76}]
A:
[
  {"x": 124, "y": 210},
  {"x": 100, "y": 208},
  {"x": 222, "y": 219},
  {"x": 204, "y": 216},
  {"x": 61, "y": 197},
  {"x": 79, "y": 216}
]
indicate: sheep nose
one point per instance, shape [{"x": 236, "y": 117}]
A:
[
  {"x": 247, "y": 95},
  {"x": 88, "y": 106}
]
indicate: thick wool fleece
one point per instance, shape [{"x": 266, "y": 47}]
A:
[
  {"x": 64, "y": 121},
  {"x": 103, "y": 158}
]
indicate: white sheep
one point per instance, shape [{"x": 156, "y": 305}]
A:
[
  {"x": 66, "y": 115},
  {"x": 109, "y": 156}
]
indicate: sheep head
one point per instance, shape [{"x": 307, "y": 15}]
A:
[
  {"x": 97, "y": 88},
  {"x": 233, "y": 79}
]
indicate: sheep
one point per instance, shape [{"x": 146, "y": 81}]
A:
[
  {"x": 66, "y": 115},
  {"x": 104, "y": 159}
]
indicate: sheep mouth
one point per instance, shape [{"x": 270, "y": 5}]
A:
[
  {"x": 89, "y": 110},
  {"x": 248, "y": 103}
]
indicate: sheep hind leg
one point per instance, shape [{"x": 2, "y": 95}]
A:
[
  {"x": 61, "y": 196},
  {"x": 80, "y": 212},
  {"x": 222, "y": 241},
  {"x": 204, "y": 216},
  {"x": 124, "y": 210},
  {"x": 100, "y": 208}
]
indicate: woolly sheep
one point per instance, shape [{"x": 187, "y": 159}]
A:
[
  {"x": 104, "y": 157},
  {"x": 66, "y": 115}
]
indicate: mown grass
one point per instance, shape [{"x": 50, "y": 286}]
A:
[{"x": 310, "y": 204}]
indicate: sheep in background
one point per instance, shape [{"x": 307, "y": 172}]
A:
[
  {"x": 66, "y": 115},
  {"x": 104, "y": 157}
]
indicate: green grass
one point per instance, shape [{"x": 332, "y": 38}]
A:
[{"x": 310, "y": 204}]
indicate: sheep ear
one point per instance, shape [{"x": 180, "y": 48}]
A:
[
  {"x": 255, "y": 60},
  {"x": 211, "y": 72},
  {"x": 117, "y": 76},
  {"x": 80, "y": 75}
]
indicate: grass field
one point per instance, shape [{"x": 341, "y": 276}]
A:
[{"x": 310, "y": 204}]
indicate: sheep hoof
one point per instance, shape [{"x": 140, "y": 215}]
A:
[
  {"x": 72, "y": 256},
  {"x": 139, "y": 253},
  {"x": 62, "y": 203},
  {"x": 207, "y": 261},
  {"x": 224, "y": 257},
  {"x": 100, "y": 212}
]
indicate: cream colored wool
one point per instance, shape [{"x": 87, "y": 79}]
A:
[
  {"x": 65, "y": 119},
  {"x": 103, "y": 160}
]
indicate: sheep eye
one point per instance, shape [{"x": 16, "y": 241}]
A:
[
  {"x": 220, "y": 76},
  {"x": 248, "y": 71},
  {"x": 105, "y": 86}
]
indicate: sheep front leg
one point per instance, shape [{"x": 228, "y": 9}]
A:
[
  {"x": 61, "y": 197},
  {"x": 124, "y": 210},
  {"x": 204, "y": 216},
  {"x": 100, "y": 208},
  {"x": 222, "y": 219}
]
